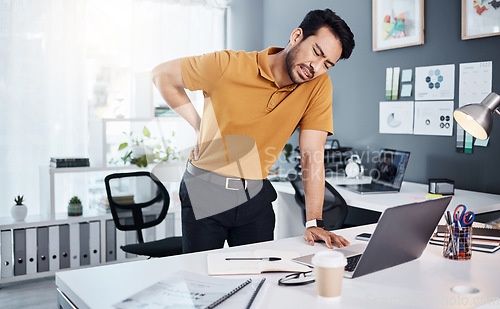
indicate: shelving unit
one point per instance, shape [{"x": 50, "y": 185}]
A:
[
  {"x": 106, "y": 239},
  {"x": 103, "y": 247}
]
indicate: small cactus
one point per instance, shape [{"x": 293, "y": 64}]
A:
[
  {"x": 19, "y": 200},
  {"x": 75, "y": 200}
]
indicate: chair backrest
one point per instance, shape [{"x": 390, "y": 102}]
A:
[
  {"x": 334, "y": 205},
  {"x": 137, "y": 201}
]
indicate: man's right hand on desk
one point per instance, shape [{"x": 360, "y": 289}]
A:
[{"x": 313, "y": 234}]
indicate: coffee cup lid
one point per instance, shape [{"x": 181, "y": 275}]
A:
[{"x": 329, "y": 259}]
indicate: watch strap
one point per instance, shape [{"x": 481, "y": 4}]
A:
[{"x": 314, "y": 223}]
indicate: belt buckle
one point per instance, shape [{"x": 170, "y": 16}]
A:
[{"x": 236, "y": 179}]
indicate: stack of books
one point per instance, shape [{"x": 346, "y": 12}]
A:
[
  {"x": 69, "y": 162},
  {"x": 164, "y": 111},
  {"x": 483, "y": 239},
  {"x": 122, "y": 199}
]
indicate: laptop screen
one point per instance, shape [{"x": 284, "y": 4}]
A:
[{"x": 390, "y": 168}]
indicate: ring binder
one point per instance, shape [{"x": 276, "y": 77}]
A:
[{"x": 231, "y": 293}]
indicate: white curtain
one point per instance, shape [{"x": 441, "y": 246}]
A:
[
  {"x": 43, "y": 109},
  {"x": 64, "y": 62}
]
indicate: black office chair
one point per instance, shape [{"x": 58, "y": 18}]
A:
[
  {"x": 149, "y": 209},
  {"x": 334, "y": 205}
]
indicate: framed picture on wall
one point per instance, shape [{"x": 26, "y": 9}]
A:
[
  {"x": 480, "y": 18},
  {"x": 397, "y": 23}
]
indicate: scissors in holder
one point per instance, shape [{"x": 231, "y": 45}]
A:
[{"x": 462, "y": 217}]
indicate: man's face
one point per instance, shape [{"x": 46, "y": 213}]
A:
[{"x": 309, "y": 58}]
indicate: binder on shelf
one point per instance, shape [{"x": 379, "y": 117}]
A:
[
  {"x": 19, "y": 252},
  {"x": 150, "y": 233},
  {"x": 54, "y": 247},
  {"x": 161, "y": 229},
  {"x": 7, "y": 267},
  {"x": 74, "y": 244},
  {"x": 95, "y": 242},
  {"x": 31, "y": 247},
  {"x": 120, "y": 241},
  {"x": 42, "y": 240},
  {"x": 84, "y": 243},
  {"x": 130, "y": 238},
  {"x": 64, "y": 247},
  {"x": 171, "y": 222},
  {"x": 110, "y": 241}
]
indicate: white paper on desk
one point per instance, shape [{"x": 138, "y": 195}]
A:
[
  {"x": 396, "y": 117},
  {"x": 435, "y": 82},
  {"x": 181, "y": 290},
  {"x": 433, "y": 118}
]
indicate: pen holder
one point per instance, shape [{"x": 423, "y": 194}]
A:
[{"x": 457, "y": 242}]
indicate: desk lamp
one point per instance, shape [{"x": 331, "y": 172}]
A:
[{"x": 476, "y": 119}]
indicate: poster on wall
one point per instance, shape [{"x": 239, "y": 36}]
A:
[
  {"x": 397, "y": 23},
  {"x": 396, "y": 117},
  {"x": 433, "y": 118},
  {"x": 435, "y": 82},
  {"x": 475, "y": 84},
  {"x": 480, "y": 18}
]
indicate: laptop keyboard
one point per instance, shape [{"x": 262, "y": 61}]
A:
[{"x": 352, "y": 261}]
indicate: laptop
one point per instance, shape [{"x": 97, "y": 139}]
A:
[
  {"x": 388, "y": 174},
  {"x": 401, "y": 235}
]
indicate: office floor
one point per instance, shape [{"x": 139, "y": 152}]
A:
[{"x": 29, "y": 294}]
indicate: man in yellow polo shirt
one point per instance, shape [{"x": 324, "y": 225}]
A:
[{"x": 254, "y": 101}]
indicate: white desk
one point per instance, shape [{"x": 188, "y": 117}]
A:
[
  {"x": 410, "y": 192},
  {"x": 422, "y": 283},
  {"x": 289, "y": 217}
]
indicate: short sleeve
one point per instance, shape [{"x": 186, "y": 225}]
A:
[
  {"x": 203, "y": 72},
  {"x": 318, "y": 115}
]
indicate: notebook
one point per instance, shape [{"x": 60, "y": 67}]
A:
[
  {"x": 401, "y": 235},
  {"x": 387, "y": 175},
  {"x": 185, "y": 290}
]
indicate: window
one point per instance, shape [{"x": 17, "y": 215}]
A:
[{"x": 65, "y": 64}]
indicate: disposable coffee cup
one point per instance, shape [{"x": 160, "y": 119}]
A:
[{"x": 329, "y": 272}]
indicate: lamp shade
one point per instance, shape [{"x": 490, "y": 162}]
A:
[{"x": 476, "y": 119}]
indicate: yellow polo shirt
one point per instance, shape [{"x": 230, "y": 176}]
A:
[{"x": 247, "y": 118}]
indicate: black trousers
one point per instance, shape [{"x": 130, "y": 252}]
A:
[{"x": 250, "y": 222}]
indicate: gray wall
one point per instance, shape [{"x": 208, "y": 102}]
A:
[
  {"x": 359, "y": 83},
  {"x": 245, "y": 25}
]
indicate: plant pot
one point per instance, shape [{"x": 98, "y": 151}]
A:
[
  {"x": 19, "y": 212},
  {"x": 75, "y": 209}
]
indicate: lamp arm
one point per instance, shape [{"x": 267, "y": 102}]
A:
[{"x": 497, "y": 111}]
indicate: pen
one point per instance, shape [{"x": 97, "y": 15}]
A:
[
  {"x": 271, "y": 258},
  {"x": 255, "y": 293}
]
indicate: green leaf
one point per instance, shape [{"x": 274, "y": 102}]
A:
[
  {"x": 146, "y": 132},
  {"x": 140, "y": 162},
  {"x": 122, "y": 146}
]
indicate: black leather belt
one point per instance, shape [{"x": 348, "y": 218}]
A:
[{"x": 229, "y": 183}]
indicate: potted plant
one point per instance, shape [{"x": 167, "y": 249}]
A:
[
  {"x": 144, "y": 149},
  {"x": 75, "y": 207},
  {"x": 19, "y": 210}
]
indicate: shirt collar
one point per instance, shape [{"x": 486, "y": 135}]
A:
[{"x": 263, "y": 63}]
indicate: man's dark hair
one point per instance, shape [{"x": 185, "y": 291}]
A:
[{"x": 317, "y": 19}]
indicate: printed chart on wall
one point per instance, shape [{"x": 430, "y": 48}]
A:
[
  {"x": 396, "y": 117},
  {"x": 435, "y": 82},
  {"x": 475, "y": 85},
  {"x": 433, "y": 118}
]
